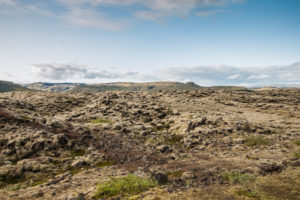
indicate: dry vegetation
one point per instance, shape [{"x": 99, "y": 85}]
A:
[{"x": 202, "y": 144}]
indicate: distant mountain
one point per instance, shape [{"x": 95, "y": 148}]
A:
[
  {"x": 129, "y": 86},
  {"x": 6, "y": 86},
  {"x": 53, "y": 87}
]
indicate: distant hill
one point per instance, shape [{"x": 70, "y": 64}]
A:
[
  {"x": 123, "y": 86},
  {"x": 53, "y": 87},
  {"x": 228, "y": 87},
  {"x": 6, "y": 86},
  {"x": 129, "y": 86}
]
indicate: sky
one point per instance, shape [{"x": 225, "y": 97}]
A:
[{"x": 209, "y": 42}]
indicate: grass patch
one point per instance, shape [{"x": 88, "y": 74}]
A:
[
  {"x": 162, "y": 127},
  {"x": 174, "y": 140},
  {"x": 247, "y": 192},
  {"x": 297, "y": 153},
  {"x": 252, "y": 141},
  {"x": 244, "y": 182},
  {"x": 128, "y": 185},
  {"x": 23, "y": 185},
  {"x": 297, "y": 142},
  {"x": 100, "y": 121},
  {"x": 281, "y": 186},
  {"x": 174, "y": 174},
  {"x": 79, "y": 152},
  {"x": 237, "y": 177},
  {"x": 105, "y": 163},
  {"x": 76, "y": 170},
  {"x": 169, "y": 140}
]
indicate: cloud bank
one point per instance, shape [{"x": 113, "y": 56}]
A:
[
  {"x": 95, "y": 14},
  {"x": 203, "y": 75}
]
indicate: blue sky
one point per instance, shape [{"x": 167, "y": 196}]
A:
[{"x": 210, "y": 42}]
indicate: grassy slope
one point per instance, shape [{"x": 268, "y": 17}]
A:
[{"x": 9, "y": 86}]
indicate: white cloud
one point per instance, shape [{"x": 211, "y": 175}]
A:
[
  {"x": 7, "y": 2},
  {"x": 92, "y": 14},
  {"x": 64, "y": 72},
  {"x": 90, "y": 18},
  {"x": 202, "y": 75},
  {"x": 259, "y": 76},
  {"x": 235, "y": 76}
]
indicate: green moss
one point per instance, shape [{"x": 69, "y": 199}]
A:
[
  {"x": 69, "y": 101},
  {"x": 79, "y": 152},
  {"x": 9, "y": 180},
  {"x": 38, "y": 183},
  {"x": 76, "y": 170},
  {"x": 105, "y": 163},
  {"x": 23, "y": 185},
  {"x": 252, "y": 141},
  {"x": 169, "y": 140},
  {"x": 174, "y": 140},
  {"x": 280, "y": 186},
  {"x": 297, "y": 142},
  {"x": 237, "y": 177},
  {"x": 162, "y": 127},
  {"x": 297, "y": 153},
  {"x": 248, "y": 193},
  {"x": 128, "y": 185},
  {"x": 174, "y": 174},
  {"x": 100, "y": 121}
]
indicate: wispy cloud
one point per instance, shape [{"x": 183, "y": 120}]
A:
[
  {"x": 93, "y": 13},
  {"x": 202, "y": 75},
  {"x": 63, "y": 72}
]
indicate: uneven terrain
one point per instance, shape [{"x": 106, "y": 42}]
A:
[{"x": 201, "y": 144}]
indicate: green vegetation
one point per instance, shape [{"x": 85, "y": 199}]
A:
[
  {"x": 23, "y": 185},
  {"x": 105, "y": 163},
  {"x": 252, "y": 141},
  {"x": 244, "y": 181},
  {"x": 162, "y": 127},
  {"x": 100, "y": 121},
  {"x": 150, "y": 86},
  {"x": 297, "y": 142},
  {"x": 248, "y": 193},
  {"x": 9, "y": 86},
  {"x": 280, "y": 186},
  {"x": 128, "y": 185},
  {"x": 297, "y": 153},
  {"x": 237, "y": 177},
  {"x": 78, "y": 152},
  {"x": 174, "y": 140},
  {"x": 174, "y": 174},
  {"x": 169, "y": 140},
  {"x": 75, "y": 170},
  {"x": 69, "y": 100},
  {"x": 11, "y": 180}
]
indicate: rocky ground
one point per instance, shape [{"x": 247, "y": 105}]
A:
[{"x": 205, "y": 144}]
